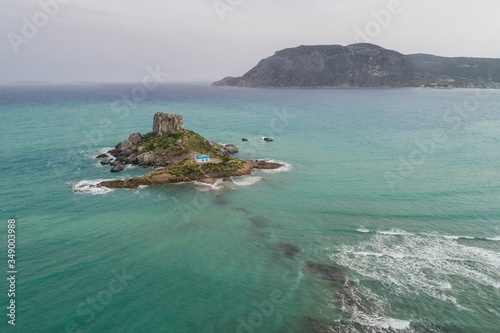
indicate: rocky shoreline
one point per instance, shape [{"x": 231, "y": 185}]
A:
[{"x": 163, "y": 177}]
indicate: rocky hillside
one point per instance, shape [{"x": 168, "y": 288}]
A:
[
  {"x": 363, "y": 65},
  {"x": 168, "y": 143},
  {"x": 458, "y": 72}
]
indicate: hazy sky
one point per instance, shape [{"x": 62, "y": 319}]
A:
[{"x": 115, "y": 40}]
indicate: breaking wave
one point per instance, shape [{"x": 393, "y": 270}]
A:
[
  {"x": 230, "y": 183},
  {"x": 402, "y": 260},
  {"x": 90, "y": 187},
  {"x": 204, "y": 187},
  {"x": 396, "y": 264},
  {"x": 396, "y": 232},
  {"x": 245, "y": 180}
]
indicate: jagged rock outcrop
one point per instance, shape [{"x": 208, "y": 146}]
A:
[
  {"x": 124, "y": 145},
  {"x": 117, "y": 168},
  {"x": 165, "y": 123},
  {"x": 231, "y": 148},
  {"x": 364, "y": 65},
  {"x": 135, "y": 138},
  {"x": 146, "y": 159}
]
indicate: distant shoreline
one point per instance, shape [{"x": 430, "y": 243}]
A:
[{"x": 208, "y": 84}]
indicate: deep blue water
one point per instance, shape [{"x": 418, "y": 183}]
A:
[{"x": 397, "y": 188}]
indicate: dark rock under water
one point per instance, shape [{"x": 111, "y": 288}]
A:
[
  {"x": 327, "y": 272},
  {"x": 261, "y": 234},
  {"x": 259, "y": 221},
  {"x": 244, "y": 211},
  {"x": 220, "y": 200},
  {"x": 313, "y": 325},
  {"x": 289, "y": 250}
]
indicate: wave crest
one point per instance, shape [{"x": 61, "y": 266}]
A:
[
  {"x": 90, "y": 187},
  {"x": 401, "y": 261}
]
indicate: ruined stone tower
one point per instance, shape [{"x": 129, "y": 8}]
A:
[{"x": 165, "y": 123}]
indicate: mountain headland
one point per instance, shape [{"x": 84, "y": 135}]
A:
[{"x": 365, "y": 65}]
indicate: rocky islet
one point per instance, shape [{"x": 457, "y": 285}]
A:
[{"x": 172, "y": 149}]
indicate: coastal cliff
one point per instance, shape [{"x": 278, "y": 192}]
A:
[{"x": 365, "y": 65}]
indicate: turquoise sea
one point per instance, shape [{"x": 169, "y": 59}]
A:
[{"x": 395, "y": 190}]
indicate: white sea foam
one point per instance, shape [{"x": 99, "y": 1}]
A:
[
  {"x": 92, "y": 154},
  {"x": 495, "y": 238},
  {"x": 456, "y": 237},
  {"x": 451, "y": 237},
  {"x": 445, "y": 285},
  {"x": 95, "y": 152},
  {"x": 367, "y": 311},
  {"x": 402, "y": 264},
  {"x": 364, "y": 253},
  {"x": 396, "y": 232},
  {"x": 218, "y": 185},
  {"x": 90, "y": 187},
  {"x": 388, "y": 323},
  {"x": 232, "y": 183},
  {"x": 245, "y": 180},
  {"x": 99, "y": 165},
  {"x": 131, "y": 166},
  {"x": 363, "y": 230},
  {"x": 397, "y": 324},
  {"x": 376, "y": 324},
  {"x": 105, "y": 150},
  {"x": 204, "y": 187}
]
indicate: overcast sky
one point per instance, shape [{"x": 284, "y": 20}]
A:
[{"x": 115, "y": 40}]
